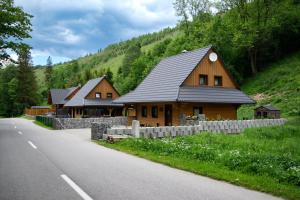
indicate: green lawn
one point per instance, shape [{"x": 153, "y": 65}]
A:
[{"x": 264, "y": 159}]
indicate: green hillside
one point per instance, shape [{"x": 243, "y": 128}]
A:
[
  {"x": 111, "y": 57},
  {"x": 278, "y": 84}
]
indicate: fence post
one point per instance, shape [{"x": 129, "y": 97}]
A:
[{"x": 135, "y": 130}]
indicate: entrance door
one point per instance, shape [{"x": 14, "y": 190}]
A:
[{"x": 168, "y": 115}]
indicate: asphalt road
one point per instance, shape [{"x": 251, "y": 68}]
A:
[{"x": 37, "y": 164}]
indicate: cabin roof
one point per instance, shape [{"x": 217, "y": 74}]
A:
[
  {"x": 58, "y": 96},
  {"x": 100, "y": 102},
  {"x": 164, "y": 83},
  {"x": 40, "y": 107},
  {"x": 213, "y": 95},
  {"x": 268, "y": 107},
  {"x": 79, "y": 99}
]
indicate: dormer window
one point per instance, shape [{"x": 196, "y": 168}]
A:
[
  {"x": 218, "y": 81},
  {"x": 98, "y": 95},
  {"x": 203, "y": 79}
]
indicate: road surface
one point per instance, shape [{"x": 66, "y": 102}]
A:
[{"x": 37, "y": 164}]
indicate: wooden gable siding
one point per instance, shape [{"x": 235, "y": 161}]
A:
[
  {"x": 73, "y": 93},
  {"x": 103, "y": 87},
  {"x": 210, "y": 69}
]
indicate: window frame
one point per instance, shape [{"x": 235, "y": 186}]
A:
[
  {"x": 144, "y": 111},
  {"x": 206, "y": 79},
  {"x": 197, "y": 107},
  {"x": 108, "y": 96},
  {"x": 218, "y": 78},
  {"x": 153, "y": 108},
  {"x": 100, "y": 95}
]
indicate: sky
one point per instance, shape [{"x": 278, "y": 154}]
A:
[{"x": 68, "y": 29}]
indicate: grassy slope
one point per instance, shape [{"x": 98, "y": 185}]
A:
[{"x": 279, "y": 85}]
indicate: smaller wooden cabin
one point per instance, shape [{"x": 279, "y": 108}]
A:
[
  {"x": 58, "y": 97},
  {"x": 95, "y": 99},
  {"x": 267, "y": 111}
]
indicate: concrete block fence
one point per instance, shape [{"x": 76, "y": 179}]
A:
[
  {"x": 73, "y": 123},
  {"x": 229, "y": 127}
]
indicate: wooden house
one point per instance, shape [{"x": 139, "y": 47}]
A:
[
  {"x": 94, "y": 99},
  {"x": 191, "y": 83},
  {"x": 57, "y": 98},
  {"x": 267, "y": 111}
]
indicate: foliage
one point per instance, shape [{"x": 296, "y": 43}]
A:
[
  {"x": 18, "y": 87},
  {"x": 26, "y": 87},
  {"x": 270, "y": 153},
  {"x": 48, "y": 73},
  {"x": 14, "y": 26},
  {"x": 279, "y": 85},
  {"x": 7, "y": 91}
]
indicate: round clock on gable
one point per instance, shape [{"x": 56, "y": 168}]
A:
[{"x": 213, "y": 57}]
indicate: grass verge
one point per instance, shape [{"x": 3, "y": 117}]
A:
[
  {"x": 42, "y": 125},
  {"x": 263, "y": 159},
  {"x": 27, "y": 117}
]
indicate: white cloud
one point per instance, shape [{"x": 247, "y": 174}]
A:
[
  {"x": 72, "y": 28},
  {"x": 59, "y": 35},
  {"x": 60, "y": 5}
]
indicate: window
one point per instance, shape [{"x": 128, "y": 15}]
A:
[
  {"x": 144, "y": 111},
  {"x": 98, "y": 95},
  {"x": 109, "y": 95},
  {"x": 218, "y": 80},
  {"x": 203, "y": 79},
  {"x": 265, "y": 114},
  {"x": 154, "y": 112},
  {"x": 198, "y": 110}
]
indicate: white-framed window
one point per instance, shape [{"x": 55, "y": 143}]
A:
[{"x": 98, "y": 95}]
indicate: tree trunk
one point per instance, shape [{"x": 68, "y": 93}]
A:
[{"x": 252, "y": 55}]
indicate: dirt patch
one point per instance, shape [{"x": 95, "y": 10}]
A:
[{"x": 260, "y": 97}]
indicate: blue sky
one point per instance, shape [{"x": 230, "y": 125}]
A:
[{"x": 67, "y": 29}]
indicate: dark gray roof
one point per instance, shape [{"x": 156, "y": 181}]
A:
[
  {"x": 100, "y": 102},
  {"x": 162, "y": 84},
  {"x": 41, "y": 107},
  {"x": 59, "y": 95},
  {"x": 269, "y": 107},
  {"x": 213, "y": 95},
  {"x": 78, "y": 98}
]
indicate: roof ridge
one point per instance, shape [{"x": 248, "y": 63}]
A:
[{"x": 187, "y": 52}]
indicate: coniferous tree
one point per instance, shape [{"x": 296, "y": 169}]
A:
[
  {"x": 26, "y": 82},
  {"x": 49, "y": 73},
  {"x": 109, "y": 75}
]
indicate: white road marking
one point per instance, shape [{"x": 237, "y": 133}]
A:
[
  {"x": 84, "y": 195},
  {"x": 15, "y": 127},
  {"x": 20, "y": 132},
  {"x": 31, "y": 144}
]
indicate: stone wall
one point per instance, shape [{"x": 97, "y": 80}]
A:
[
  {"x": 229, "y": 127},
  {"x": 73, "y": 123}
]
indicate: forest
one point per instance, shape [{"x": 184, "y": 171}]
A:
[{"x": 248, "y": 34}]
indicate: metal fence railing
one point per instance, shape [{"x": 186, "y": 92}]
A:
[{"x": 48, "y": 121}]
